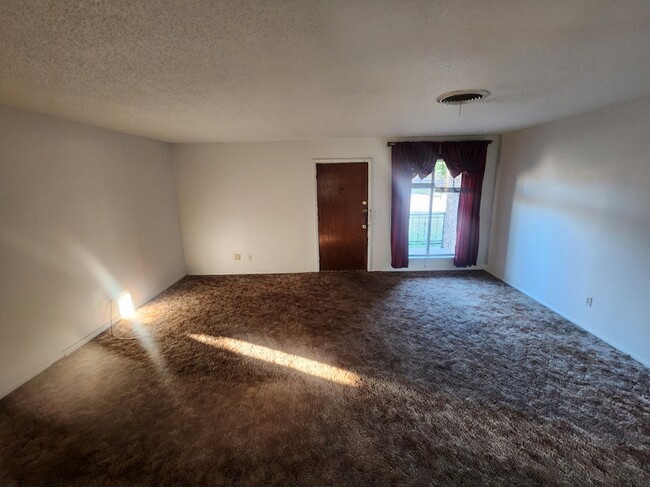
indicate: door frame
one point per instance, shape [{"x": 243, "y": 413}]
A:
[{"x": 371, "y": 218}]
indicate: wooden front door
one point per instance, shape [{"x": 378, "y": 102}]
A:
[{"x": 342, "y": 194}]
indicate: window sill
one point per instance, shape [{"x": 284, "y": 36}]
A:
[{"x": 426, "y": 257}]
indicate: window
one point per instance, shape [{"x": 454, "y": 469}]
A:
[{"x": 434, "y": 211}]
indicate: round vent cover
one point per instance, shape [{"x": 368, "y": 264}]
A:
[{"x": 462, "y": 96}]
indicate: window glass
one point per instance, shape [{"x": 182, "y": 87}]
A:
[{"x": 434, "y": 211}]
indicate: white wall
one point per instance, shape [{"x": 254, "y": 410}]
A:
[
  {"x": 84, "y": 212},
  {"x": 572, "y": 220},
  {"x": 260, "y": 199}
]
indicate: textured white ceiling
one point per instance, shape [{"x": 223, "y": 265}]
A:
[{"x": 193, "y": 70}]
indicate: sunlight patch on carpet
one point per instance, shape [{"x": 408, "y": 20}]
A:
[{"x": 301, "y": 364}]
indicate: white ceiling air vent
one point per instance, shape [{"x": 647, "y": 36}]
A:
[{"x": 461, "y": 97}]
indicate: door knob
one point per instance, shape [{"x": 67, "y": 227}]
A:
[
  {"x": 364, "y": 226},
  {"x": 364, "y": 203}
]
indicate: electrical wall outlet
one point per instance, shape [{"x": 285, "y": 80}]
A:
[
  {"x": 589, "y": 301},
  {"x": 237, "y": 256},
  {"x": 101, "y": 301}
]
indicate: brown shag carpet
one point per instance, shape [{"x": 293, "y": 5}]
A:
[{"x": 410, "y": 379}]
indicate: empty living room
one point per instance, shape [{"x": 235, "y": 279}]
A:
[{"x": 325, "y": 243}]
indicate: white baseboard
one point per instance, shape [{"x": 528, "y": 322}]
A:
[
  {"x": 641, "y": 360},
  {"x": 79, "y": 343}
]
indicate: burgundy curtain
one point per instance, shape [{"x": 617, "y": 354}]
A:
[
  {"x": 468, "y": 158},
  {"x": 408, "y": 160}
]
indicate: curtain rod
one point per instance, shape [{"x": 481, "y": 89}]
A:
[{"x": 390, "y": 144}]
